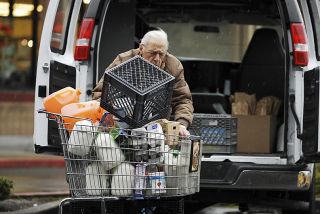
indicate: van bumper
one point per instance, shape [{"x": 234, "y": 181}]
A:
[{"x": 249, "y": 176}]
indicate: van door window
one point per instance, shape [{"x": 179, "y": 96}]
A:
[{"x": 60, "y": 27}]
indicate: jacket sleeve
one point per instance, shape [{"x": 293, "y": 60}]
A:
[
  {"x": 182, "y": 107},
  {"x": 96, "y": 92}
]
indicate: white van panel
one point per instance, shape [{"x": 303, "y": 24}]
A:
[
  {"x": 46, "y": 56},
  {"x": 40, "y": 120},
  {"x": 294, "y": 144},
  {"x": 84, "y": 81}
]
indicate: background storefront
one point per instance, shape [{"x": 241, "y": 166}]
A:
[
  {"x": 21, "y": 24},
  {"x": 20, "y": 31}
]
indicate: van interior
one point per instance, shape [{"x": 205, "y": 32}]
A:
[{"x": 225, "y": 46}]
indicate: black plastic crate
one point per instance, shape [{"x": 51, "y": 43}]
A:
[
  {"x": 218, "y": 132},
  {"x": 137, "y": 92}
]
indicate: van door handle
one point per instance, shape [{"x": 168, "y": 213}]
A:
[
  {"x": 45, "y": 67},
  {"x": 294, "y": 113}
]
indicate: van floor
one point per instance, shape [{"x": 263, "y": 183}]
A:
[{"x": 247, "y": 154}]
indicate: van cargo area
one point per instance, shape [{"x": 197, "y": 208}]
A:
[{"x": 226, "y": 48}]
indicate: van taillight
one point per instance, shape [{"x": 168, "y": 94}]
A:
[
  {"x": 83, "y": 42},
  {"x": 300, "y": 44}
]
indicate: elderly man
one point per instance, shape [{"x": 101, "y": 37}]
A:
[{"x": 153, "y": 48}]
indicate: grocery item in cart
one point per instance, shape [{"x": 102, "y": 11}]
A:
[
  {"x": 55, "y": 101},
  {"x": 171, "y": 130},
  {"x": 172, "y": 157},
  {"x": 139, "y": 153},
  {"x": 177, "y": 164},
  {"x": 122, "y": 183},
  {"x": 140, "y": 179},
  {"x": 109, "y": 168},
  {"x": 89, "y": 110},
  {"x": 81, "y": 137},
  {"x": 155, "y": 135},
  {"x": 157, "y": 182},
  {"x": 138, "y": 137},
  {"x": 97, "y": 180},
  {"x": 156, "y": 142},
  {"x": 108, "y": 151}
]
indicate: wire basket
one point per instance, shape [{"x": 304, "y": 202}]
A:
[
  {"x": 127, "y": 163},
  {"x": 218, "y": 132},
  {"x": 137, "y": 92}
]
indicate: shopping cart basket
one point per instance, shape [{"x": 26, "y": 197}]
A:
[{"x": 108, "y": 164}]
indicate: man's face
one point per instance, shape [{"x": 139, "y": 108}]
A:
[{"x": 153, "y": 52}]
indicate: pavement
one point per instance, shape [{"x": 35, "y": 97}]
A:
[
  {"x": 18, "y": 152},
  {"x": 20, "y": 163},
  {"x": 47, "y": 208}
]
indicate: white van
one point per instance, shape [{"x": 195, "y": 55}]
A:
[{"x": 262, "y": 47}]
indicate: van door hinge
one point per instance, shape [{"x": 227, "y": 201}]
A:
[{"x": 292, "y": 99}]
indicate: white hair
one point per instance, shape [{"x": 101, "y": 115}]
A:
[{"x": 156, "y": 36}]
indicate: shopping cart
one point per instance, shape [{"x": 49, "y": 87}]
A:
[{"x": 111, "y": 169}]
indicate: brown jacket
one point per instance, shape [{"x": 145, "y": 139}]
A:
[{"x": 182, "y": 107}]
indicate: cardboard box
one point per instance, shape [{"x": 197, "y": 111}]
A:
[
  {"x": 256, "y": 134},
  {"x": 171, "y": 130}
]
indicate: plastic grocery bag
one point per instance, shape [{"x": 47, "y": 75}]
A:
[
  {"x": 122, "y": 183},
  {"x": 81, "y": 138},
  {"x": 97, "y": 181},
  {"x": 108, "y": 151}
]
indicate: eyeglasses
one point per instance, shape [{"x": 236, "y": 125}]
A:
[{"x": 155, "y": 53}]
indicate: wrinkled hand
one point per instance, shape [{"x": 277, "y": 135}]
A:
[{"x": 183, "y": 132}]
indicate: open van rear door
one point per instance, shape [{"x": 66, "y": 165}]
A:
[
  {"x": 56, "y": 67},
  {"x": 310, "y": 132}
]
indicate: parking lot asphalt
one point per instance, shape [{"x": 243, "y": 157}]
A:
[{"x": 33, "y": 175}]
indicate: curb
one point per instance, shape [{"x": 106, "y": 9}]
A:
[
  {"x": 37, "y": 194},
  {"x": 48, "y": 208},
  {"x": 28, "y": 163},
  {"x": 17, "y": 96},
  {"x": 51, "y": 207}
]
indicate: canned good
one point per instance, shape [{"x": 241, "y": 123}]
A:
[
  {"x": 157, "y": 182},
  {"x": 140, "y": 179}
]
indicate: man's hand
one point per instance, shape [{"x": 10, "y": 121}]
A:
[{"x": 183, "y": 132}]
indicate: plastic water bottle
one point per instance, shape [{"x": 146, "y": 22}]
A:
[{"x": 55, "y": 101}]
